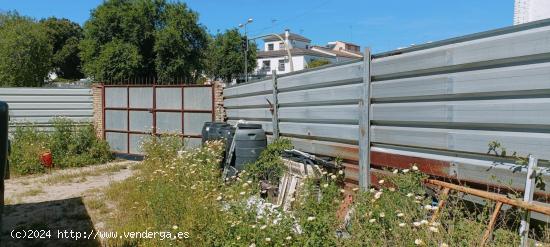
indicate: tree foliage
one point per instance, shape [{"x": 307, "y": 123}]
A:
[
  {"x": 25, "y": 51},
  {"x": 226, "y": 56},
  {"x": 317, "y": 63},
  {"x": 163, "y": 39},
  {"x": 64, "y": 36}
]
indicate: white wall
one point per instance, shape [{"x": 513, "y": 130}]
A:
[
  {"x": 531, "y": 10},
  {"x": 298, "y": 64},
  {"x": 294, "y": 43}
]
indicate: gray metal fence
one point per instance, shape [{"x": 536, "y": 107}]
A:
[
  {"x": 134, "y": 112},
  {"x": 40, "y": 105},
  {"x": 438, "y": 105}
]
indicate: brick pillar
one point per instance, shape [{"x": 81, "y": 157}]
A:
[
  {"x": 218, "y": 87},
  {"x": 97, "y": 100}
]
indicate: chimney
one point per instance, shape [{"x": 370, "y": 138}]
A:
[{"x": 287, "y": 38}]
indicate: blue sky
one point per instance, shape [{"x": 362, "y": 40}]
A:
[{"x": 382, "y": 25}]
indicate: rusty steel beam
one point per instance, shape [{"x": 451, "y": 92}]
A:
[{"x": 493, "y": 196}]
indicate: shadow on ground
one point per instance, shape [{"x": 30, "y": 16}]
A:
[{"x": 52, "y": 216}]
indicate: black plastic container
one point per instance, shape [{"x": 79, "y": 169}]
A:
[{"x": 250, "y": 141}]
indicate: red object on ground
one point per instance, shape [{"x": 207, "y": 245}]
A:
[{"x": 46, "y": 159}]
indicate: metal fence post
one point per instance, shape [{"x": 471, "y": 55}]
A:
[
  {"x": 528, "y": 197},
  {"x": 275, "y": 117},
  {"x": 364, "y": 124}
]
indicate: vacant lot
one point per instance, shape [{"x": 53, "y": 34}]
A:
[{"x": 63, "y": 200}]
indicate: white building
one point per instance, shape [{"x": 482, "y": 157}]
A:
[
  {"x": 531, "y": 10},
  {"x": 274, "y": 55}
]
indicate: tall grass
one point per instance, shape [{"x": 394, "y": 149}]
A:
[
  {"x": 71, "y": 145},
  {"x": 186, "y": 193}
]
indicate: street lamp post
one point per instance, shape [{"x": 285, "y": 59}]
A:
[{"x": 246, "y": 48}]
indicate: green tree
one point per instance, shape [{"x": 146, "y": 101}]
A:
[
  {"x": 317, "y": 63},
  {"x": 180, "y": 45},
  {"x": 164, "y": 39},
  {"x": 25, "y": 52},
  {"x": 64, "y": 36},
  {"x": 226, "y": 56}
]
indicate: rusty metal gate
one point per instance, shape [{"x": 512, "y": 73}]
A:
[{"x": 131, "y": 113}]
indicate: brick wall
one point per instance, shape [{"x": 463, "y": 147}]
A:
[
  {"x": 98, "y": 109},
  {"x": 218, "y": 100}
]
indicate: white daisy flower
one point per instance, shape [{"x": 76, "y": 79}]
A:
[{"x": 418, "y": 241}]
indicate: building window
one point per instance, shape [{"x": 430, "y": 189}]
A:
[
  {"x": 269, "y": 47},
  {"x": 266, "y": 65},
  {"x": 281, "y": 46},
  {"x": 281, "y": 65}
]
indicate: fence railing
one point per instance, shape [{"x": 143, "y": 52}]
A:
[{"x": 438, "y": 105}]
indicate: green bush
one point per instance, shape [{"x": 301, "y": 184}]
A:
[
  {"x": 269, "y": 165},
  {"x": 26, "y": 146},
  {"x": 71, "y": 145}
]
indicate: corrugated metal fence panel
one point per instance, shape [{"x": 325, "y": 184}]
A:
[
  {"x": 40, "y": 105},
  {"x": 445, "y": 102}
]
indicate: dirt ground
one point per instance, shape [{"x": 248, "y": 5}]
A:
[{"x": 53, "y": 203}]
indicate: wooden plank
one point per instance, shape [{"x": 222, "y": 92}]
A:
[
  {"x": 442, "y": 201},
  {"x": 493, "y": 196},
  {"x": 491, "y": 225}
]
